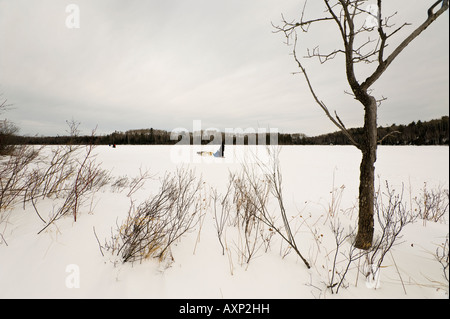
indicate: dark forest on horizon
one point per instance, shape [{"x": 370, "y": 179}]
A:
[{"x": 433, "y": 132}]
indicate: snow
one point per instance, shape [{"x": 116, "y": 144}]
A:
[{"x": 65, "y": 261}]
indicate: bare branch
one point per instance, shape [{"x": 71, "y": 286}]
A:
[
  {"x": 322, "y": 57},
  {"x": 387, "y": 135},
  {"x": 289, "y": 28},
  {"x": 320, "y": 103},
  {"x": 338, "y": 22},
  {"x": 384, "y": 64},
  {"x": 383, "y": 35}
]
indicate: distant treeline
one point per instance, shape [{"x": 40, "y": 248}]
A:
[{"x": 434, "y": 132}]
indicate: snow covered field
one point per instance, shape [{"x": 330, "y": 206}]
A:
[{"x": 65, "y": 260}]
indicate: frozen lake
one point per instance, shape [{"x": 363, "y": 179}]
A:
[{"x": 38, "y": 266}]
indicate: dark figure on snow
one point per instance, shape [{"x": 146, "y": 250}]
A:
[{"x": 223, "y": 148}]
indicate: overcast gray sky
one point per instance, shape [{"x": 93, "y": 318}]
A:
[{"x": 165, "y": 63}]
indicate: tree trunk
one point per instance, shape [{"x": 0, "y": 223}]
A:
[{"x": 368, "y": 147}]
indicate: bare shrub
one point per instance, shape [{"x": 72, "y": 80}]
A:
[
  {"x": 255, "y": 187},
  {"x": 344, "y": 256},
  {"x": 222, "y": 215},
  {"x": 392, "y": 216},
  {"x": 14, "y": 180},
  {"x": 51, "y": 180},
  {"x": 336, "y": 199},
  {"x": 50, "y": 176},
  {"x": 138, "y": 181},
  {"x": 250, "y": 197},
  {"x": 77, "y": 179},
  {"x": 151, "y": 228},
  {"x": 432, "y": 205},
  {"x": 442, "y": 256},
  {"x": 14, "y": 176},
  {"x": 7, "y": 131},
  {"x": 66, "y": 174},
  {"x": 119, "y": 184}
]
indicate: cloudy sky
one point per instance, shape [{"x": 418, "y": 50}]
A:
[{"x": 165, "y": 63}]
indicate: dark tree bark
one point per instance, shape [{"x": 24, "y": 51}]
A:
[{"x": 367, "y": 178}]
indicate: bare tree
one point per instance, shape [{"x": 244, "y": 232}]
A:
[{"x": 360, "y": 44}]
